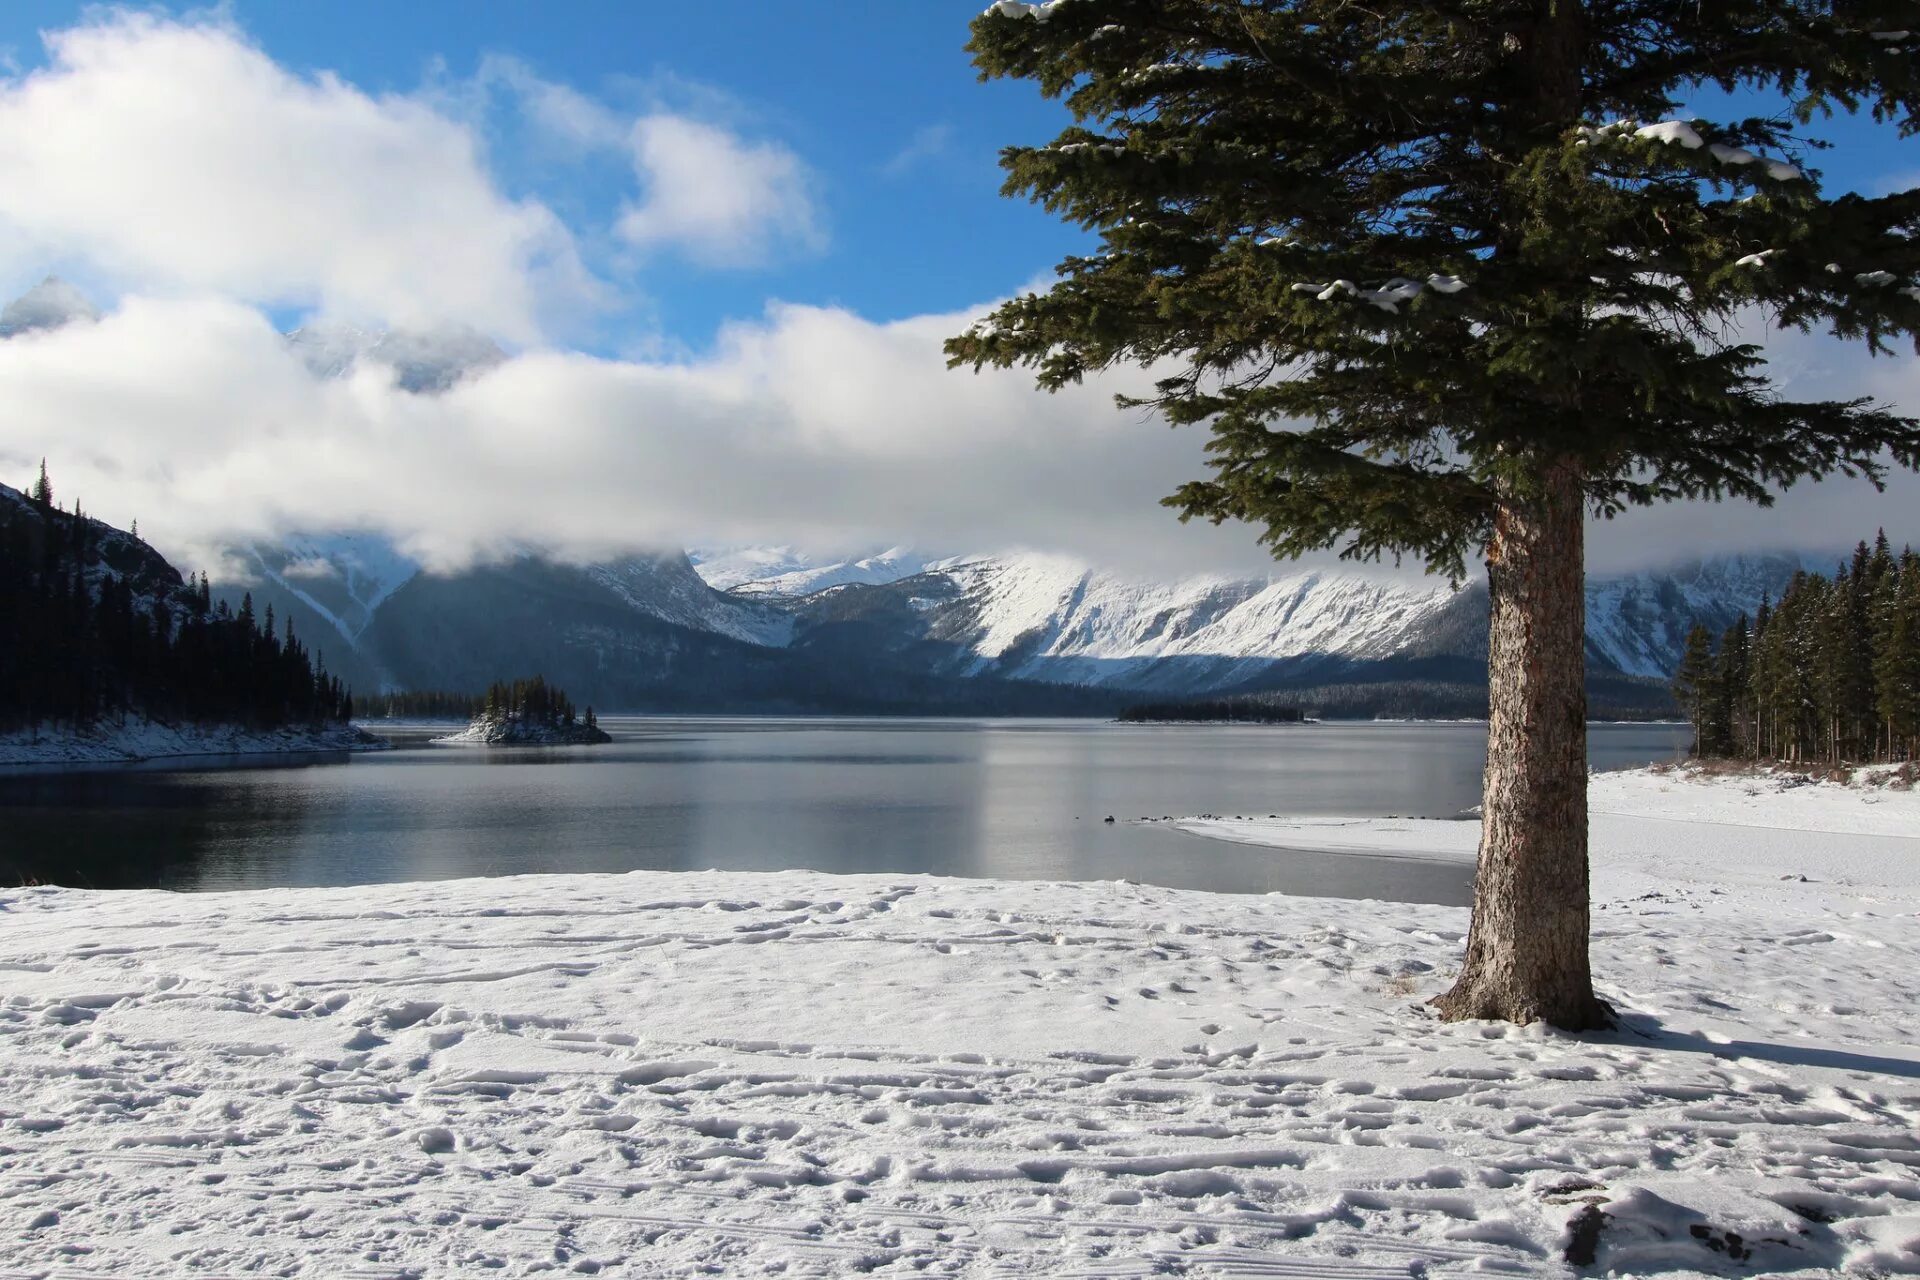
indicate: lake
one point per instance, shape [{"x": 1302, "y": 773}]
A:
[{"x": 1008, "y": 799}]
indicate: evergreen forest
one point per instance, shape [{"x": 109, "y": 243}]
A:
[
  {"x": 1241, "y": 710},
  {"x": 96, "y": 628},
  {"x": 422, "y": 704},
  {"x": 533, "y": 702},
  {"x": 1829, "y": 674}
]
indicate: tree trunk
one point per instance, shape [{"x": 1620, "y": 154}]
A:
[{"x": 1527, "y": 949}]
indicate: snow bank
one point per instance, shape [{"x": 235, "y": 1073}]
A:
[
  {"x": 482, "y": 732},
  {"x": 738, "y": 1074},
  {"x": 148, "y": 740}
]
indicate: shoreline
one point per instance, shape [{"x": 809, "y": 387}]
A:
[
  {"x": 697, "y": 1072},
  {"x": 149, "y": 741}
]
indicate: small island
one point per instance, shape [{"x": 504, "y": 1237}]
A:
[{"x": 530, "y": 713}]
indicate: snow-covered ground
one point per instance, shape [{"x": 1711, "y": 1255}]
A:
[
  {"x": 149, "y": 740},
  {"x": 808, "y": 1075}
]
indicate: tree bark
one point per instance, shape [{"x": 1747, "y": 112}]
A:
[{"x": 1527, "y": 948}]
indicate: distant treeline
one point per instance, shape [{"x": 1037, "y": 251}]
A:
[
  {"x": 425, "y": 705},
  {"x": 1246, "y": 710},
  {"x": 80, "y": 643},
  {"x": 533, "y": 702},
  {"x": 1609, "y": 697},
  {"x": 1831, "y": 673}
]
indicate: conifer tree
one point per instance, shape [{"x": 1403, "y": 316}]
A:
[
  {"x": 1445, "y": 279},
  {"x": 1696, "y": 686}
]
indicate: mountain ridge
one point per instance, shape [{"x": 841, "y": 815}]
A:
[{"x": 651, "y": 631}]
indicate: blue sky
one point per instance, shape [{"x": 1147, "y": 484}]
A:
[
  {"x": 876, "y": 97},
  {"x": 723, "y": 239}
]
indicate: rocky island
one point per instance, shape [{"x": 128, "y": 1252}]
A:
[{"x": 530, "y": 713}]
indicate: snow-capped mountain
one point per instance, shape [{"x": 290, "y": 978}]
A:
[
  {"x": 344, "y": 578},
  {"x": 803, "y": 579},
  {"x": 788, "y": 573},
  {"x": 1057, "y": 620},
  {"x": 647, "y": 630},
  {"x": 1053, "y": 619},
  {"x": 665, "y": 586},
  {"x": 48, "y": 305},
  {"x": 424, "y": 361}
]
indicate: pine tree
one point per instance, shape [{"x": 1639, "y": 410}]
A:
[
  {"x": 43, "y": 487},
  {"x": 1735, "y": 671},
  {"x": 1897, "y": 659},
  {"x": 1696, "y": 686},
  {"x": 1445, "y": 278}
]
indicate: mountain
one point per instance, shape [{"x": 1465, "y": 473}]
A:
[
  {"x": 100, "y": 638},
  {"x": 1055, "y": 620},
  {"x": 48, "y": 305},
  {"x": 895, "y": 632},
  {"x": 1637, "y": 623},
  {"x": 425, "y": 361},
  {"x": 780, "y": 572},
  {"x": 665, "y": 586},
  {"x": 90, "y": 551}
]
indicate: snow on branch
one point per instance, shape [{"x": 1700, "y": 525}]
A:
[
  {"x": 1387, "y": 297},
  {"x": 1682, "y": 134},
  {"x": 1022, "y": 9}
]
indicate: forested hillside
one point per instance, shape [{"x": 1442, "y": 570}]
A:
[{"x": 96, "y": 627}]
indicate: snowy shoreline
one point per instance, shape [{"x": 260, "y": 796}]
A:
[
  {"x": 745, "y": 1073},
  {"x": 149, "y": 740}
]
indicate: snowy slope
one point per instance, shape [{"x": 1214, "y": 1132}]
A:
[
  {"x": 117, "y": 554},
  {"x": 666, "y": 587},
  {"x": 1050, "y": 618},
  {"x": 344, "y": 577},
  {"x": 785, "y": 572},
  {"x": 725, "y": 568},
  {"x": 142, "y": 739},
  {"x": 1638, "y": 622},
  {"x": 804, "y": 1075},
  {"x": 875, "y": 570}
]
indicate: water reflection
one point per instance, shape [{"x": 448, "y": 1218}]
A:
[{"x": 1015, "y": 800}]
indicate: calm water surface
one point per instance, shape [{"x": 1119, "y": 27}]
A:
[{"x": 1003, "y": 799}]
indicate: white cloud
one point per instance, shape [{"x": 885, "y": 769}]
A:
[
  {"x": 175, "y": 155},
  {"x": 181, "y": 162},
  {"x": 925, "y": 144},
  {"x": 705, "y": 187},
  {"x": 811, "y": 426},
  {"x": 722, "y": 199},
  {"x": 313, "y": 569}
]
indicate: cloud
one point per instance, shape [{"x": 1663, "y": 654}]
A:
[
  {"x": 810, "y": 426},
  {"x": 177, "y": 156},
  {"x": 212, "y": 185},
  {"x": 724, "y": 200},
  {"x": 312, "y": 569},
  {"x": 925, "y": 144}
]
